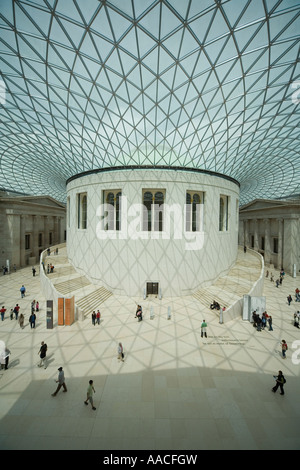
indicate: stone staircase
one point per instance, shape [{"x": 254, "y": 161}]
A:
[
  {"x": 71, "y": 285},
  {"x": 68, "y": 282},
  {"x": 237, "y": 283},
  {"x": 93, "y": 300}
]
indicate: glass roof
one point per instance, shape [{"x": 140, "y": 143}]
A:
[{"x": 88, "y": 84}]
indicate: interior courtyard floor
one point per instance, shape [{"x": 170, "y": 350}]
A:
[{"x": 174, "y": 390}]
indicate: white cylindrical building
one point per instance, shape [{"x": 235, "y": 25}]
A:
[{"x": 156, "y": 230}]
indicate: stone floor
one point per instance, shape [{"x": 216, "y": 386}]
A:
[{"x": 174, "y": 391}]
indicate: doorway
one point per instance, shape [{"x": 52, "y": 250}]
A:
[{"x": 152, "y": 288}]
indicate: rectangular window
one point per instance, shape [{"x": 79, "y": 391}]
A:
[
  {"x": 262, "y": 243},
  {"x": 68, "y": 210},
  {"x": 50, "y": 238},
  {"x": 40, "y": 239},
  {"x": 252, "y": 241},
  {"x": 112, "y": 209},
  {"x": 223, "y": 213},
  {"x": 194, "y": 211},
  {"x": 27, "y": 241},
  {"x": 275, "y": 245},
  {"x": 82, "y": 211}
]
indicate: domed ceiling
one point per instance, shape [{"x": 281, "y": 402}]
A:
[{"x": 87, "y": 84}]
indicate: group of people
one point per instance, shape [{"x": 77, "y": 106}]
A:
[
  {"x": 297, "y": 296},
  {"x": 260, "y": 323},
  {"x": 96, "y": 317},
  {"x": 50, "y": 268},
  {"x": 15, "y": 312},
  {"x": 278, "y": 281},
  {"x": 215, "y": 306}
]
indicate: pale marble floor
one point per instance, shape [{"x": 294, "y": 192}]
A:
[{"x": 174, "y": 391}]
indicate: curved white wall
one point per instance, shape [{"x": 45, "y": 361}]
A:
[{"x": 179, "y": 261}]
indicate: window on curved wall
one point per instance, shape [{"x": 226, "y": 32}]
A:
[
  {"x": 223, "y": 213},
  {"x": 194, "y": 213},
  {"x": 118, "y": 210},
  {"x": 158, "y": 211},
  {"x": 68, "y": 211},
  {"x": 112, "y": 214},
  {"x": 153, "y": 216},
  {"x": 82, "y": 210}
]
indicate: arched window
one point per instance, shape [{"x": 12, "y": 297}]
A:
[
  {"x": 158, "y": 212},
  {"x": 153, "y": 201},
  {"x": 112, "y": 215},
  {"x": 194, "y": 211},
  {"x": 147, "y": 202},
  {"x": 82, "y": 210}
]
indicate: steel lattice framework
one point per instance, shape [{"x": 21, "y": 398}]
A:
[{"x": 89, "y": 84}]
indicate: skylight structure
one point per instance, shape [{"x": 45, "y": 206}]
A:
[{"x": 211, "y": 85}]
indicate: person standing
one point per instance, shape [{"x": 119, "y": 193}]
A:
[
  {"x": 289, "y": 299},
  {"x": 121, "y": 352},
  {"x": 284, "y": 348},
  {"x": 42, "y": 352},
  {"x": 5, "y": 358},
  {"x": 280, "y": 381},
  {"x": 22, "y": 290},
  {"x": 203, "y": 329},
  {"x": 270, "y": 321},
  {"x": 21, "y": 321},
  {"x": 60, "y": 381},
  {"x": 33, "y": 271},
  {"x": 2, "y": 311},
  {"x": 94, "y": 318},
  {"x": 32, "y": 319},
  {"x": 98, "y": 317},
  {"x": 89, "y": 394}
]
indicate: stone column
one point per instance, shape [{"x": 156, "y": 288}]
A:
[
  {"x": 46, "y": 231},
  {"x": 280, "y": 244},
  {"x": 55, "y": 231},
  {"x": 267, "y": 256},
  {"x": 256, "y": 244},
  {"x": 290, "y": 241},
  {"x": 22, "y": 240},
  {"x": 35, "y": 237},
  {"x": 246, "y": 232}
]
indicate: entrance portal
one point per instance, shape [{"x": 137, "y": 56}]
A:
[{"x": 152, "y": 288}]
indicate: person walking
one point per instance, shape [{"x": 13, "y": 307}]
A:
[
  {"x": 60, "y": 381},
  {"x": 98, "y": 315},
  {"x": 280, "y": 381},
  {"x": 33, "y": 271},
  {"x": 42, "y": 352},
  {"x": 16, "y": 311},
  {"x": 284, "y": 348},
  {"x": 22, "y": 290},
  {"x": 121, "y": 352},
  {"x": 32, "y": 319},
  {"x": 21, "y": 321},
  {"x": 203, "y": 329},
  {"x": 289, "y": 299},
  {"x": 2, "y": 311},
  {"x": 89, "y": 394},
  {"x": 94, "y": 318}
]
